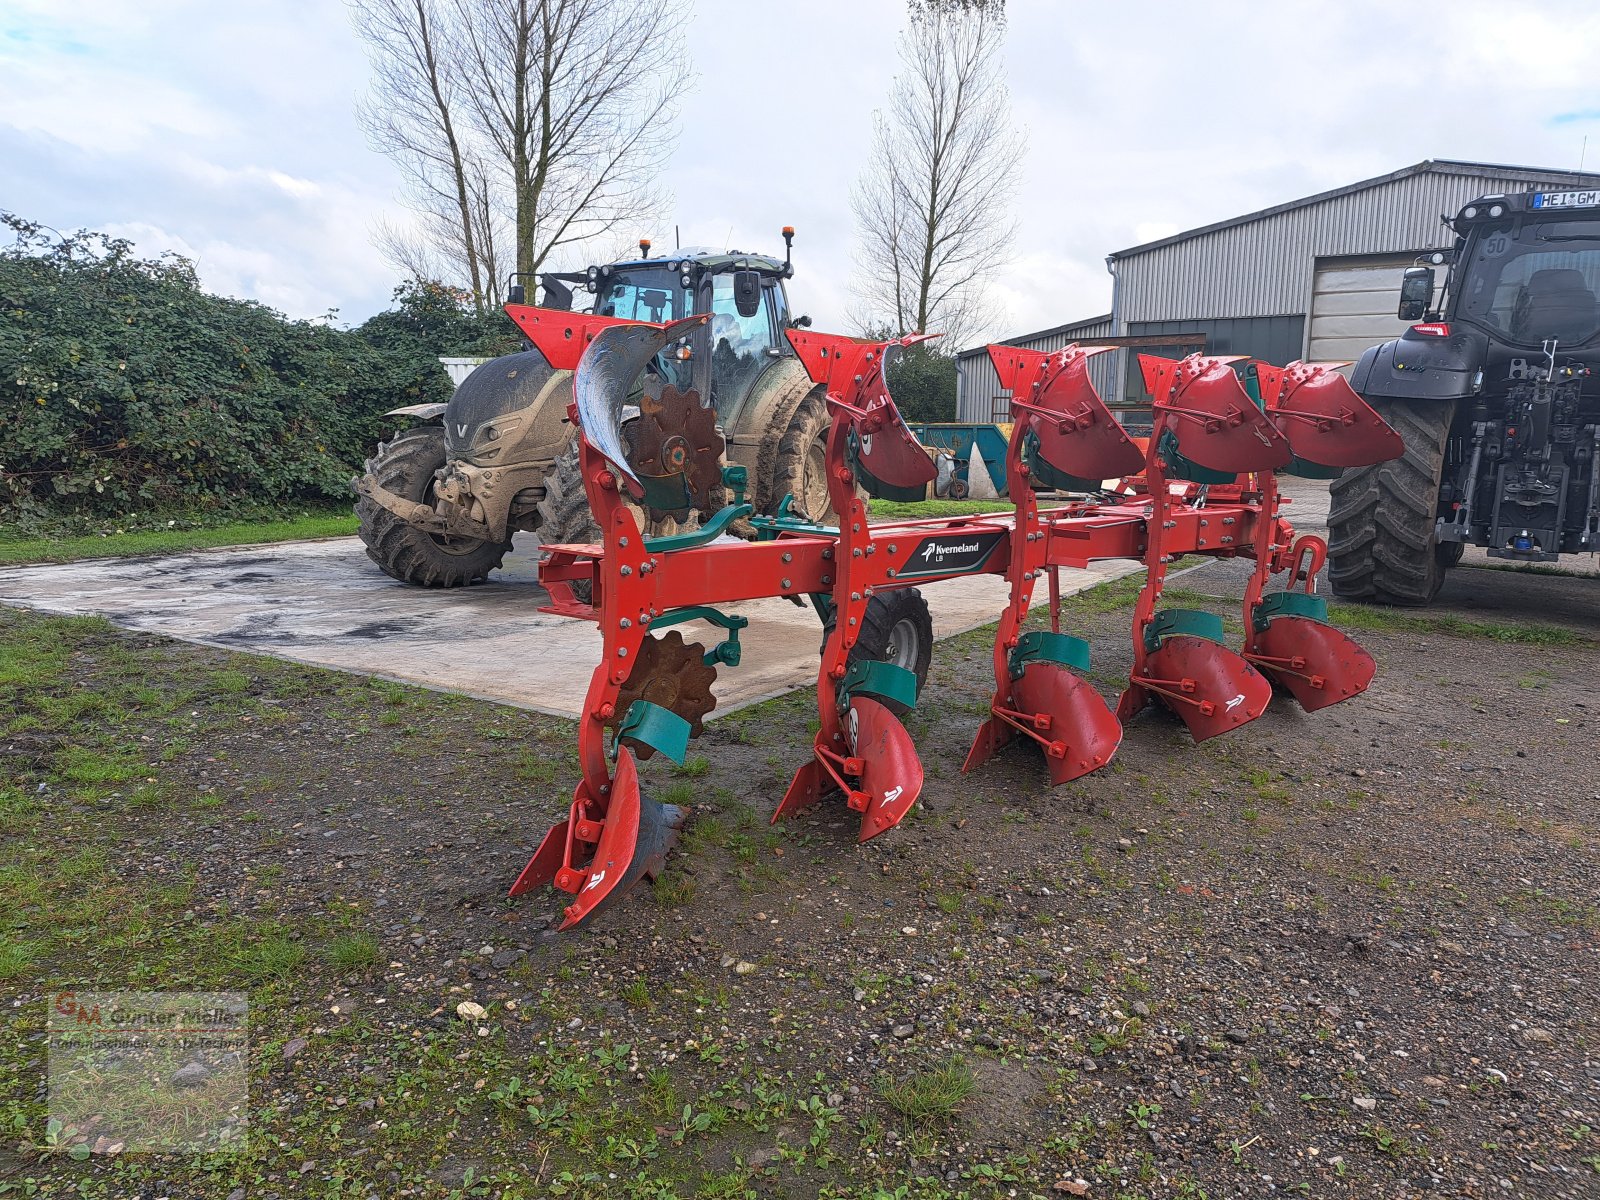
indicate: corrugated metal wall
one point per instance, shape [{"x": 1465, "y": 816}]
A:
[
  {"x": 1264, "y": 267},
  {"x": 979, "y": 396},
  {"x": 1271, "y": 339}
]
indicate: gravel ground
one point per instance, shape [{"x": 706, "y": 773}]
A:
[{"x": 1355, "y": 953}]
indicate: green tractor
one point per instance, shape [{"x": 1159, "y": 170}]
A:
[{"x": 439, "y": 502}]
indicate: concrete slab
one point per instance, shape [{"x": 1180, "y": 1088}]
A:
[{"x": 325, "y": 603}]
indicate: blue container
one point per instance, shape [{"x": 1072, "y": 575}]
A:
[{"x": 962, "y": 443}]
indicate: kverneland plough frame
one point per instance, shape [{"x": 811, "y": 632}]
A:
[{"x": 1202, "y": 483}]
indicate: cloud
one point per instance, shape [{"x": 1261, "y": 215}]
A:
[
  {"x": 230, "y": 133},
  {"x": 228, "y": 138}
]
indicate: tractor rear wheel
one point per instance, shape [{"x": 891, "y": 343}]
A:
[
  {"x": 897, "y": 629},
  {"x": 405, "y": 466},
  {"x": 1381, "y": 519},
  {"x": 564, "y": 514},
  {"x": 565, "y": 518},
  {"x": 800, "y": 466}
]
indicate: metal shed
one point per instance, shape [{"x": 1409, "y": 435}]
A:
[
  {"x": 1316, "y": 278},
  {"x": 979, "y": 396}
]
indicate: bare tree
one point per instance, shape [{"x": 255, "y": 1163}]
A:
[
  {"x": 524, "y": 127},
  {"x": 931, "y": 205},
  {"x": 412, "y": 252},
  {"x": 577, "y": 98},
  {"x": 413, "y": 117}
]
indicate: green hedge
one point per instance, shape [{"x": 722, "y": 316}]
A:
[{"x": 125, "y": 388}]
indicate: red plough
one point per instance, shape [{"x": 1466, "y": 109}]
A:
[
  {"x": 1203, "y": 484},
  {"x": 1037, "y": 693},
  {"x": 861, "y": 749}
]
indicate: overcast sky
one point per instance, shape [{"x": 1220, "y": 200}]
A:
[{"x": 227, "y": 132}]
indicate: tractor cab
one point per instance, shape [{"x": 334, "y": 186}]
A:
[
  {"x": 743, "y": 293},
  {"x": 1524, "y": 274}
]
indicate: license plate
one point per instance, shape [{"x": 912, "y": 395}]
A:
[{"x": 1566, "y": 199}]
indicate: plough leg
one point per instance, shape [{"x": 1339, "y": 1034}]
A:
[
  {"x": 1037, "y": 695},
  {"x": 861, "y": 748},
  {"x": 1205, "y": 427},
  {"x": 614, "y": 835},
  {"x": 1287, "y": 635}
]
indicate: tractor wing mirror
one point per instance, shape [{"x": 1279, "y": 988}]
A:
[
  {"x": 747, "y": 292},
  {"x": 1416, "y": 293}
]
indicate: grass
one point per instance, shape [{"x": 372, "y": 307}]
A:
[
  {"x": 930, "y": 1096},
  {"x": 16, "y": 550},
  {"x": 636, "y": 994},
  {"x": 1522, "y": 633},
  {"x": 1109, "y": 597},
  {"x": 125, "y": 737},
  {"x": 15, "y": 958},
  {"x": 676, "y": 1118},
  {"x": 935, "y": 508},
  {"x": 271, "y": 960},
  {"x": 354, "y": 952}
]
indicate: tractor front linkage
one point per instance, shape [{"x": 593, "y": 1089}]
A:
[{"x": 1203, "y": 483}]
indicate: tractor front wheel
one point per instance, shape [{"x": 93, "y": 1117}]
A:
[
  {"x": 1381, "y": 519},
  {"x": 406, "y": 466}
]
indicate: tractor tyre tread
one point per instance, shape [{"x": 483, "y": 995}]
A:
[
  {"x": 1381, "y": 519},
  {"x": 405, "y": 465},
  {"x": 806, "y": 426},
  {"x": 566, "y": 519}
]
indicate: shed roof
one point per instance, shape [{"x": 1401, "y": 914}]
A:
[
  {"x": 1437, "y": 166},
  {"x": 1023, "y": 339}
]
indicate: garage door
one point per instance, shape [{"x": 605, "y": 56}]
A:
[{"x": 1352, "y": 306}]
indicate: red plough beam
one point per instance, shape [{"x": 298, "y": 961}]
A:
[{"x": 1202, "y": 484}]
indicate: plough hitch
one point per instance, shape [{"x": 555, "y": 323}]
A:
[{"x": 1202, "y": 484}]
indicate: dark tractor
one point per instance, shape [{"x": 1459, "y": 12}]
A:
[
  {"x": 1494, "y": 391},
  {"x": 439, "y": 503}
]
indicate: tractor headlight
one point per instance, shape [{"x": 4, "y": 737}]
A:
[
  {"x": 1470, "y": 212},
  {"x": 1497, "y": 210}
]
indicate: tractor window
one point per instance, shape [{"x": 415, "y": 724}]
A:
[
  {"x": 643, "y": 295},
  {"x": 1542, "y": 282},
  {"x": 649, "y": 294},
  {"x": 740, "y": 346}
]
